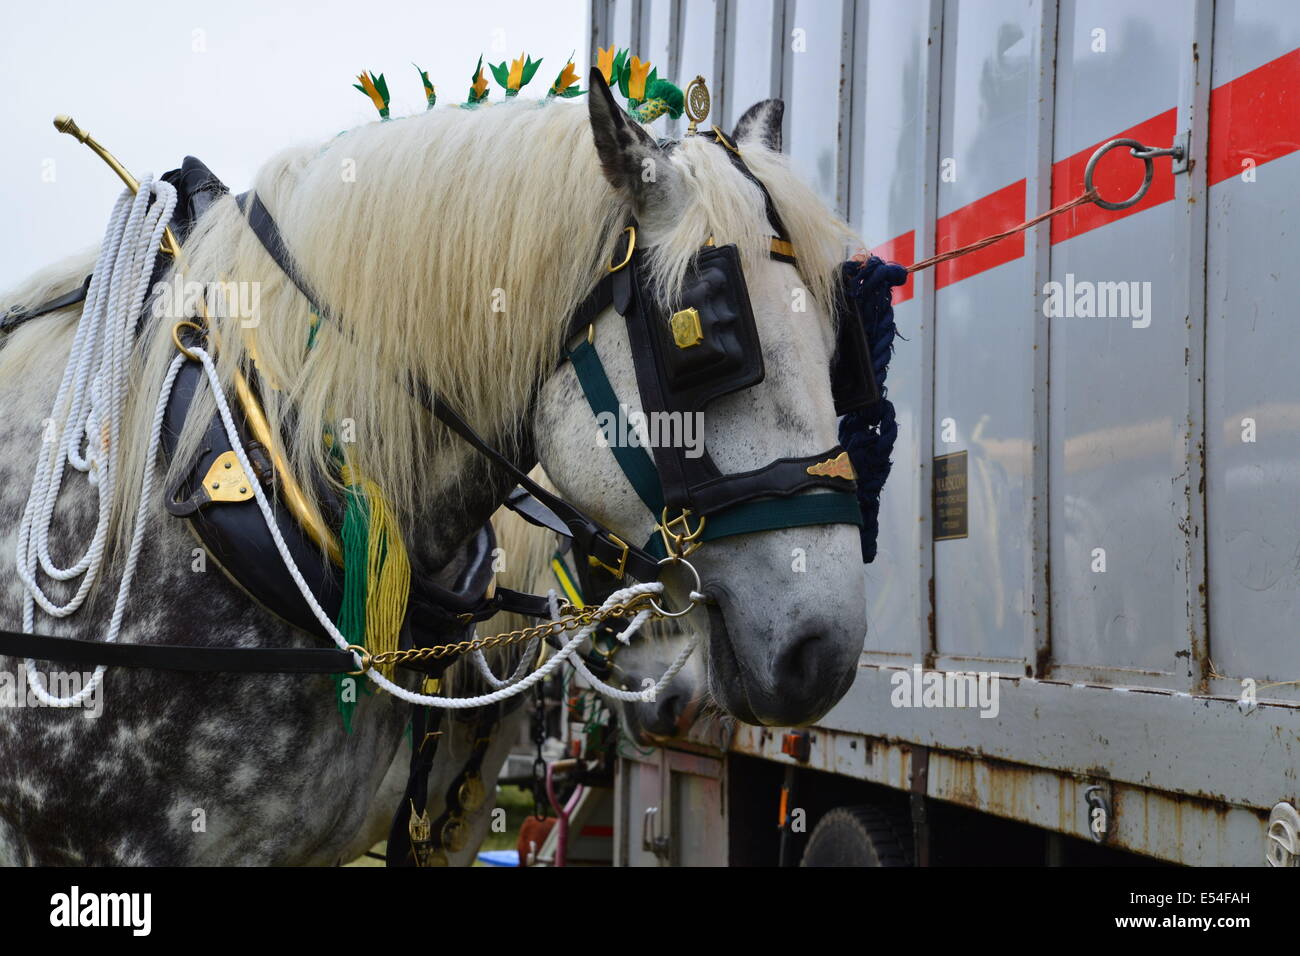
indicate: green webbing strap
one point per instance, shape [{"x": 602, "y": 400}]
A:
[
  {"x": 835, "y": 507},
  {"x": 635, "y": 462},
  {"x": 769, "y": 514}
]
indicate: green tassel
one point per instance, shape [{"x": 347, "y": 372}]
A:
[{"x": 351, "y": 622}]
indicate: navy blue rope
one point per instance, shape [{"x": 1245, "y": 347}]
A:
[{"x": 868, "y": 435}]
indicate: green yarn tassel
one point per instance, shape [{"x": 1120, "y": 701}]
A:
[{"x": 354, "y": 537}]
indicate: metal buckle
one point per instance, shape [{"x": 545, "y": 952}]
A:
[
  {"x": 682, "y": 543},
  {"x": 618, "y": 572}
]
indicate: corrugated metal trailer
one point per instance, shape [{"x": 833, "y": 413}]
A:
[{"x": 1094, "y": 492}]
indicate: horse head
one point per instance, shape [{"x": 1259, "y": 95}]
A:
[{"x": 787, "y": 615}]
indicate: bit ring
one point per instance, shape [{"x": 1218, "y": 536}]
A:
[{"x": 690, "y": 607}]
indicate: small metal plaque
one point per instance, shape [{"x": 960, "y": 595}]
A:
[
  {"x": 950, "y": 497},
  {"x": 837, "y": 467},
  {"x": 226, "y": 481},
  {"x": 686, "y": 327}
]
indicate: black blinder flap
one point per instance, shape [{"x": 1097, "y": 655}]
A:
[
  {"x": 710, "y": 346},
  {"x": 853, "y": 378}
]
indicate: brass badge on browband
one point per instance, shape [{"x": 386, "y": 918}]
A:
[
  {"x": 697, "y": 103},
  {"x": 837, "y": 467}
]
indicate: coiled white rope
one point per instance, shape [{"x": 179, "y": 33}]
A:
[{"x": 89, "y": 406}]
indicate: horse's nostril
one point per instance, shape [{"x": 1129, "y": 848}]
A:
[
  {"x": 670, "y": 710},
  {"x": 796, "y": 662}
]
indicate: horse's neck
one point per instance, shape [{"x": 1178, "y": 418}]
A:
[{"x": 464, "y": 495}]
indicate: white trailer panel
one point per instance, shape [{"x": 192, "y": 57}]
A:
[{"x": 1131, "y": 558}]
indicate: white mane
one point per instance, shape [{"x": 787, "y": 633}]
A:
[{"x": 451, "y": 247}]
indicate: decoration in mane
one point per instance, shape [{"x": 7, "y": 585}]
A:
[
  {"x": 519, "y": 74},
  {"x": 566, "y": 84},
  {"x": 430, "y": 94},
  {"x": 375, "y": 87},
  {"x": 478, "y": 90},
  {"x": 376, "y": 568},
  {"x": 648, "y": 96}
]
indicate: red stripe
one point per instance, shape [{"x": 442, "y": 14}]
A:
[
  {"x": 901, "y": 249},
  {"x": 996, "y": 212},
  {"x": 1255, "y": 117},
  {"x": 597, "y": 830}
]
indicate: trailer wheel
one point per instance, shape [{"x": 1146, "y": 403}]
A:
[{"x": 860, "y": 836}]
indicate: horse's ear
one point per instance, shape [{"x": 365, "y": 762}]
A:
[
  {"x": 761, "y": 123},
  {"x": 630, "y": 159}
]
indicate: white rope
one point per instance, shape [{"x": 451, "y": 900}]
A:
[
  {"x": 646, "y": 695},
  {"x": 89, "y": 406},
  {"x": 480, "y": 662}
]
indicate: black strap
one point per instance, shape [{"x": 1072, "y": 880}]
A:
[
  {"x": 243, "y": 660},
  {"x": 268, "y": 234},
  {"x": 18, "y": 315},
  {"x": 424, "y": 747},
  {"x": 733, "y": 152},
  {"x": 534, "y": 512}
]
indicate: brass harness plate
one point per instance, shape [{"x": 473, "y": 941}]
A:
[
  {"x": 226, "y": 481},
  {"x": 686, "y": 327}
]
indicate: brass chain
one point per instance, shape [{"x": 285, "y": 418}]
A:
[{"x": 575, "y": 618}]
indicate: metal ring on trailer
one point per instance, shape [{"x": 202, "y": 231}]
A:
[{"x": 1138, "y": 151}]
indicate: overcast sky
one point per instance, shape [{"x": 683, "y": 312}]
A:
[{"x": 231, "y": 83}]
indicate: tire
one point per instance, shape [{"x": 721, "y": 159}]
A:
[{"x": 860, "y": 836}]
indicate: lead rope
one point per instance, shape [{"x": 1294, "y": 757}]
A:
[
  {"x": 646, "y": 694},
  {"x": 89, "y": 405}
]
